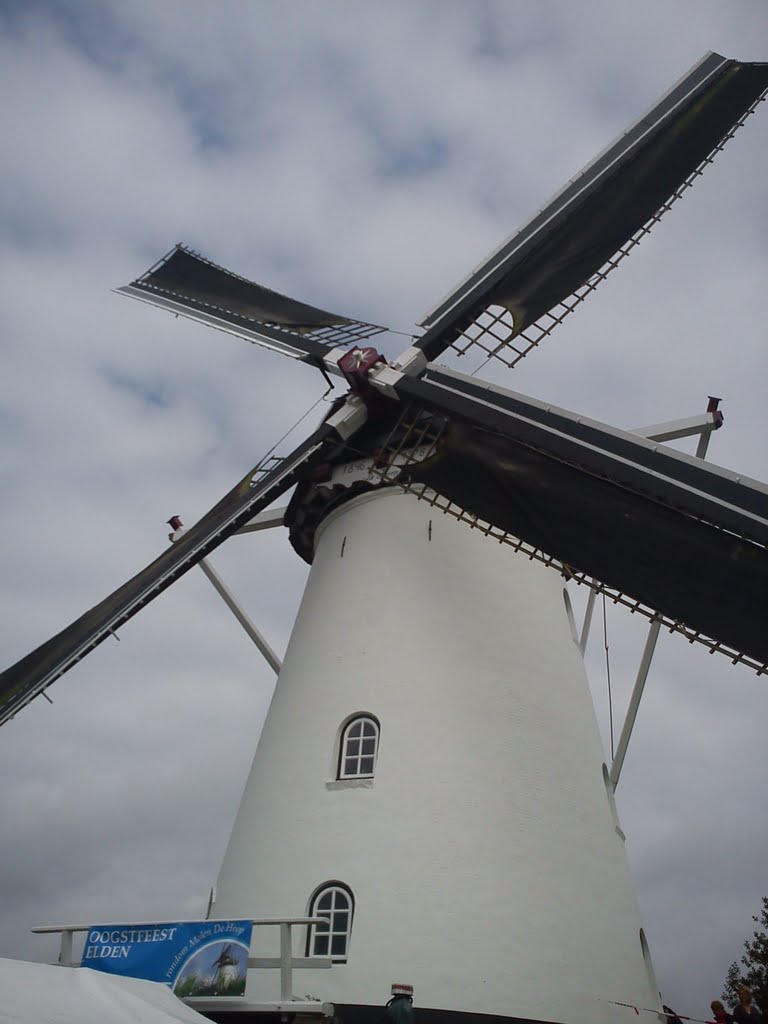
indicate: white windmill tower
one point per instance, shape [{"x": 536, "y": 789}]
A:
[{"x": 430, "y": 776}]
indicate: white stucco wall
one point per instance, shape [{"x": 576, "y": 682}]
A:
[{"x": 484, "y": 859}]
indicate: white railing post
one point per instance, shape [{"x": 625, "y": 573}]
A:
[
  {"x": 65, "y": 952},
  {"x": 286, "y": 962}
]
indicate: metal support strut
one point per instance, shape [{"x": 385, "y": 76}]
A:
[
  {"x": 634, "y": 701},
  {"x": 702, "y": 425},
  {"x": 221, "y": 588}
]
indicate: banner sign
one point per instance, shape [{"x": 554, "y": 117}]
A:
[{"x": 194, "y": 958}]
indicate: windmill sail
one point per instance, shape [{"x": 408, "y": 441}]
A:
[
  {"x": 534, "y": 280},
  {"x": 23, "y": 681},
  {"x": 676, "y": 534},
  {"x": 192, "y": 286}
]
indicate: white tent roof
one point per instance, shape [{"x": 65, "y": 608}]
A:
[{"x": 43, "y": 994}]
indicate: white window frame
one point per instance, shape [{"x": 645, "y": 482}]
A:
[
  {"x": 342, "y": 902},
  {"x": 347, "y": 742}
]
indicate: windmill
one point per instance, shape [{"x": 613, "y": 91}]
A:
[
  {"x": 224, "y": 969},
  {"x": 430, "y": 774}
]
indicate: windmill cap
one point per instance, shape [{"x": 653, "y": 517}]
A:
[{"x": 402, "y": 990}]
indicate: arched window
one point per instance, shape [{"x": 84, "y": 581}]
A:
[
  {"x": 334, "y": 901},
  {"x": 358, "y": 748}
]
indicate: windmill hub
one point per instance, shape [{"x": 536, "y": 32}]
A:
[
  {"x": 383, "y": 450},
  {"x": 357, "y": 364}
]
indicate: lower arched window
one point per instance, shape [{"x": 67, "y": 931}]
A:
[
  {"x": 358, "y": 748},
  {"x": 333, "y": 901}
]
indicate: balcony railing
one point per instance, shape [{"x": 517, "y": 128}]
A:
[{"x": 286, "y": 963}]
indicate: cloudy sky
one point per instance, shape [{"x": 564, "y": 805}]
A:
[{"x": 362, "y": 157}]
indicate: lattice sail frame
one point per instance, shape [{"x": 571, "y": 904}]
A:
[
  {"x": 416, "y": 431},
  {"x": 267, "y": 465},
  {"x": 492, "y": 331},
  {"x": 333, "y": 336}
]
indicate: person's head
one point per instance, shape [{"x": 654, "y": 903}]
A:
[
  {"x": 745, "y": 996},
  {"x": 717, "y": 1009}
]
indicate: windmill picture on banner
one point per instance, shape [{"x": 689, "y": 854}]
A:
[{"x": 430, "y": 778}]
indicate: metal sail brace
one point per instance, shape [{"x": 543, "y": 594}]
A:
[
  {"x": 592, "y": 531},
  {"x": 192, "y": 286},
  {"x": 536, "y": 279}
]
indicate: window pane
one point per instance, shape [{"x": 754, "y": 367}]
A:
[
  {"x": 368, "y": 746},
  {"x": 340, "y": 921},
  {"x": 341, "y": 902},
  {"x": 321, "y": 945},
  {"x": 339, "y": 945},
  {"x": 350, "y": 766},
  {"x": 369, "y": 729},
  {"x": 325, "y": 902},
  {"x": 366, "y": 766},
  {"x": 355, "y": 729},
  {"x": 353, "y": 747}
]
